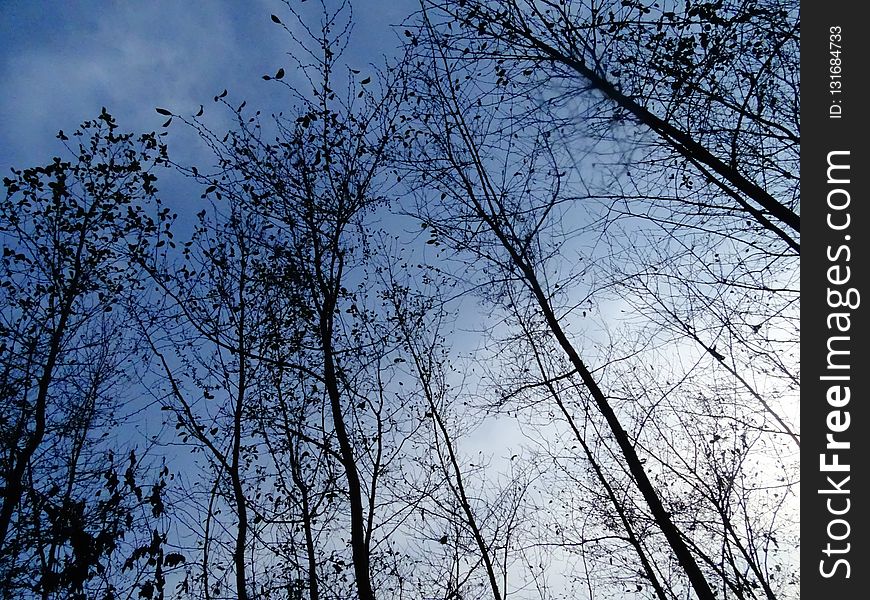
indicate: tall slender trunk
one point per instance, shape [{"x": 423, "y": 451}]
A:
[
  {"x": 459, "y": 489},
  {"x": 359, "y": 548},
  {"x": 235, "y": 477},
  {"x": 313, "y": 587},
  {"x": 602, "y": 478},
  {"x": 310, "y": 550},
  {"x": 679, "y": 140},
  {"x": 660, "y": 514}
]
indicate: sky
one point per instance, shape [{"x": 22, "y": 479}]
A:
[{"x": 61, "y": 60}]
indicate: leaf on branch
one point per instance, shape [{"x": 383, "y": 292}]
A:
[
  {"x": 173, "y": 559},
  {"x": 163, "y": 111}
]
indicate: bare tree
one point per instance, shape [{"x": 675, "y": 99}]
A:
[
  {"x": 70, "y": 232},
  {"x": 611, "y": 185},
  {"x": 500, "y": 222},
  {"x": 702, "y": 78},
  {"x": 215, "y": 315},
  {"x": 314, "y": 188}
]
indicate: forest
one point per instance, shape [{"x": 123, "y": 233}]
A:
[{"x": 511, "y": 314}]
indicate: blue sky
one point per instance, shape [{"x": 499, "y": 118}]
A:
[{"x": 60, "y": 61}]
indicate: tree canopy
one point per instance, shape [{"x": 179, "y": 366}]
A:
[{"x": 513, "y": 314}]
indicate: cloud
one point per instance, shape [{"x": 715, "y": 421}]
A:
[{"x": 129, "y": 57}]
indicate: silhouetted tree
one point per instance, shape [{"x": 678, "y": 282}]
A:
[
  {"x": 468, "y": 149},
  {"x": 577, "y": 220},
  {"x": 70, "y": 231},
  {"x": 715, "y": 82}
]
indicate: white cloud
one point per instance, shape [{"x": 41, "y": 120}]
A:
[{"x": 130, "y": 58}]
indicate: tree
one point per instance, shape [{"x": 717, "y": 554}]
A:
[
  {"x": 410, "y": 316},
  {"x": 699, "y": 77},
  {"x": 311, "y": 192},
  {"x": 469, "y": 145},
  {"x": 565, "y": 232},
  {"x": 215, "y": 298},
  {"x": 70, "y": 230}
]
